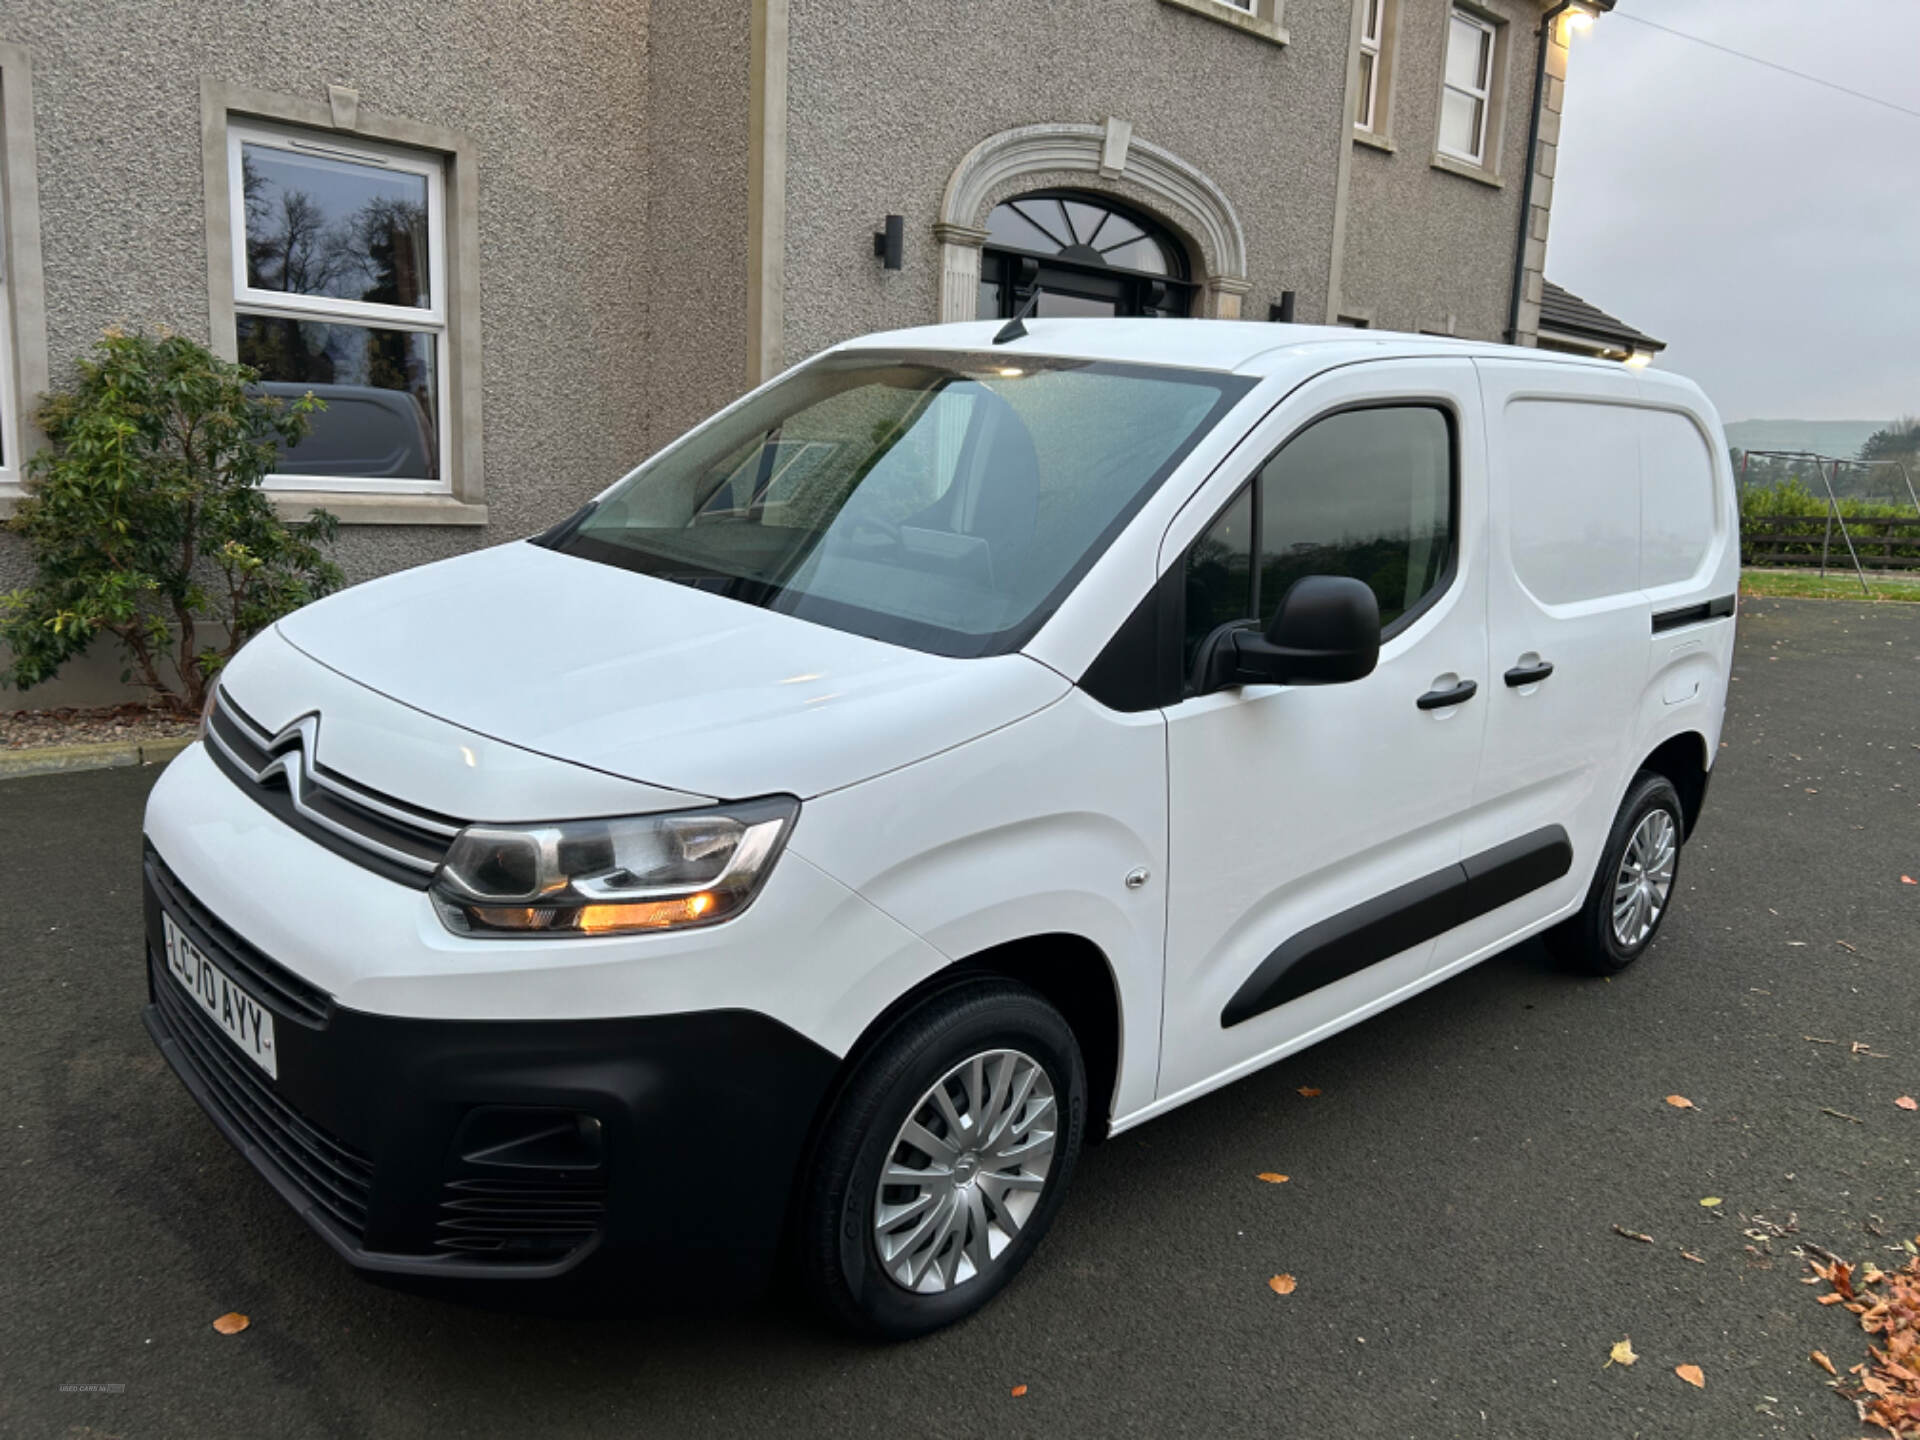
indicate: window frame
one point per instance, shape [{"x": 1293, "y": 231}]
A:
[
  {"x": 23, "y": 330},
  {"x": 323, "y": 309},
  {"x": 1372, "y": 45},
  {"x": 1263, "y": 19},
  {"x": 461, "y": 501},
  {"x": 1443, "y": 581},
  {"x": 1491, "y": 30},
  {"x": 12, "y": 462}
]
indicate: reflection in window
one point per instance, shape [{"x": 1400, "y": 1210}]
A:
[
  {"x": 338, "y": 290},
  {"x": 320, "y": 226},
  {"x": 936, "y": 501},
  {"x": 1220, "y": 574},
  {"x": 379, "y": 387},
  {"x": 1365, "y": 493}
]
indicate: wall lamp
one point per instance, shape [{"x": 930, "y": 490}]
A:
[{"x": 890, "y": 244}]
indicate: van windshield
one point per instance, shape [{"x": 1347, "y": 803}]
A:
[{"x": 946, "y": 502}]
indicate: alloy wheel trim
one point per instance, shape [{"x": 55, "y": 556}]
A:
[
  {"x": 965, "y": 1172},
  {"x": 1644, "y": 882}
]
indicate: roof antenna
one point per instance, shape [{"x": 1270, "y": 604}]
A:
[{"x": 1014, "y": 329}]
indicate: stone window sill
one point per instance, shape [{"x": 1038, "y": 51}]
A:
[
  {"x": 1467, "y": 170},
  {"x": 378, "y": 509},
  {"x": 1259, "y": 27},
  {"x": 1373, "y": 141},
  {"x": 351, "y": 509}
]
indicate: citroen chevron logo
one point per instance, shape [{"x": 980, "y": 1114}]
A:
[
  {"x": 293, "y": 762},
  {"x": 319, "y": 799}
]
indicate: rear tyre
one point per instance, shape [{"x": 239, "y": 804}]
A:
[
  {"x": 943, "y": 1161},
  {"x": 1633, "y": 885}
]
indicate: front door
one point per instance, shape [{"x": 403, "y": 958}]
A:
[
  {"x": 1083, "y": 255},
  {"x": 1315, "y": 832}
]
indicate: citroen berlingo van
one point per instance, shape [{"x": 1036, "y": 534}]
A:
[{"x": 960, "y": 748}]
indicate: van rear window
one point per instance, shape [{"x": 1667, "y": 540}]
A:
[{"x": 946, "y": 502}]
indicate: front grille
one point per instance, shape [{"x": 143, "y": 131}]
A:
[
  {"x": 283, "y": 772},
  {"x": 525, "y": 1218},
  {"x": 284, "y": 992},
  {"x": 334, "y": 1175}
]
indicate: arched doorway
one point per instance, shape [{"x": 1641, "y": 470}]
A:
[
  {"x": 1103, "y": 161},
  {"x": 1086, "y": 254}
]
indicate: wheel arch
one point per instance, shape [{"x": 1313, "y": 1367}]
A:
[
  {"x": 1070, "y": 971},
  {"x": 1682, "y": 759}
]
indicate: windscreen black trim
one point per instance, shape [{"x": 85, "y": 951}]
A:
[
  {"x": 1403, "y": 917},
  {"x": 1718, "y": 608}
]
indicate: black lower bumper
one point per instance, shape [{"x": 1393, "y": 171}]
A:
[{"x": 500, "y": 1149}]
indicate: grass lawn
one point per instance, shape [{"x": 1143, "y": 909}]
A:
[{"x": 1842, "y": 585}]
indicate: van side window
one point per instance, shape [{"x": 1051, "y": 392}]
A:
[
  {"x": 1220, "y": 574},
  {"x": 1366, "y": 493},
  {"x": 1363, "y": 493}
]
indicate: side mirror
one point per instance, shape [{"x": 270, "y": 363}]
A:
[{"x": 1326, "y": 632}]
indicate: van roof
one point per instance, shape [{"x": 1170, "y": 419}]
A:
[{"x": 1239, "y": 346}]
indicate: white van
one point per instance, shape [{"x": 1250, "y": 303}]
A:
[{"x": 959, "y": 748}]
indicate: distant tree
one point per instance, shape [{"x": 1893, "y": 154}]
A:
[{"x": 1899, "y": 441}]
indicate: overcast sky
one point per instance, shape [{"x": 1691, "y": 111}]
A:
[{"x": 1766, "y": 228}]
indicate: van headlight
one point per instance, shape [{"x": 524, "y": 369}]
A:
[{"x": 606, "y": 877}]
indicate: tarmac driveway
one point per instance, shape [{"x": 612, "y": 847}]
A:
[{"x": 1449, "y": 1216}]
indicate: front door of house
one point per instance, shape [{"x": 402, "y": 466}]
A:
[{"x": 1085, "y": 255}]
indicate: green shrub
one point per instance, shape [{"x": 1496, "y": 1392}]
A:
[
  {"x": 145, "y": 519},
  {"x": 1794, "y": 497}
]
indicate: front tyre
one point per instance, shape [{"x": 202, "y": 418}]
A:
[
  {"x": 944, "y": 1160},
  {"x": 1633, "y": 886}
]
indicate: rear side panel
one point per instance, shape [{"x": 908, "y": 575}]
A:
[{"x": 1615, "y": 556}]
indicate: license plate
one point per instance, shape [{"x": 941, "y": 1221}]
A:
[{"x": 248, "y": 1023}]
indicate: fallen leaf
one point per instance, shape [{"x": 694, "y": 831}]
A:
[
  {"x": 1691, "y": 1374},
  {"x": 1907, "y": 1102},
  {"x": 1823, "y": 1362},
  {"x": 1282, "y": 1284},
  {"x": 1689, "y": 1255},
  {"x": 1632, "y": 1235},
  {"x": 1271, "y": 1177},
  {"x": 1679, "y": 1102},
  {"x": 1309, "y": 1091},
  {"x": 1832, "y": 1299},
  {"x": 1622, "y": 1353},
  {"x": 1018, "y": 1391},
  {"x": 231, "y": 1323},
  {"x": 1711, "y": 1201}
]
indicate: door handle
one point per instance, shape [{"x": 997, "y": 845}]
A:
[
  {"x": 1441, "y": 699},
  {"x": 1529, "y": 674}
]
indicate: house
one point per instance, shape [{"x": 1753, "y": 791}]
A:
[{"x": 518, "y": 246}]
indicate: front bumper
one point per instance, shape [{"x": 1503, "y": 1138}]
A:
[{"x": 500, "y": 1148}]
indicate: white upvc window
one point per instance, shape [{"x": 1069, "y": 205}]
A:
[
  {"x": 1467, "y": 92},
  {"x": 1245, "y": 6},
  {"x": 1373, "y": 26},
  {"x": 340, "y": 288}
]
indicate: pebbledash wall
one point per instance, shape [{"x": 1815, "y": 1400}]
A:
[{"x": 652, "y": 204}]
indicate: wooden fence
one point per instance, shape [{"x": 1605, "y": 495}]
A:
[{"x": 1882, "y": 543}]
